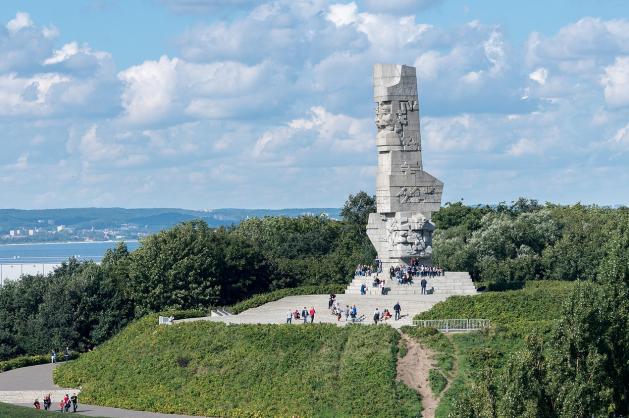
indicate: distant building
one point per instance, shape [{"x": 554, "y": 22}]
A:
[
  {"x": 60, "y": 228},
  {"x": 31, "y": 232},
  {"x": 12, "y": 233}
]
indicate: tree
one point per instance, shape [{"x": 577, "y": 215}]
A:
[{"x": 358, "y": 207}]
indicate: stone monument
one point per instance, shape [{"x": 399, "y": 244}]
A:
[{"x": 406, "y": 195}]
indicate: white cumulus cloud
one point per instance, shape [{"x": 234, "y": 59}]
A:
[
  {"x": 22, "y": 20},
  {"x": 616, "y": 82}
]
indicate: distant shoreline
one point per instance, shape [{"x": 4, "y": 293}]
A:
[{"x": 68, "y": 242}]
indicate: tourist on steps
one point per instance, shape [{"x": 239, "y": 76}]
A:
[
  {"x": 37, "y": 404},
  {"x": 397, "y": 309},
  {"x": 424, "y": 283},
  {"x": 289, "y": 317},
  {"x": 312, "y": 314},
  {"x": 376, "y": 316}
]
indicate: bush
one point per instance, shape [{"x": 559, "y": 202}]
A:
[
  {"x": 25, "y": 361},
  {"x": 261, "y": 299},
  {"x": 184, "y": 314},
  {"x": 437, "y": 381}
]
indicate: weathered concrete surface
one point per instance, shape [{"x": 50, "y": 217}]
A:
[{"x": 406, "y": 195}]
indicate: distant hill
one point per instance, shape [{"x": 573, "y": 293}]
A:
[{"x": 99, "y": 223}]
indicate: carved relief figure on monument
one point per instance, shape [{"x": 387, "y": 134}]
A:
[
  {"x": 384, "y": 116},
  {"x": 406, "y": 195}
]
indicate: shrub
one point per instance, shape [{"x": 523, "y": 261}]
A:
[
  {"x": 437, "y": 381},
  {"x": 25, "y": 361}
]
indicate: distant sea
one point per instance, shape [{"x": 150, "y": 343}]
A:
[{"x": 57, "y": 252}]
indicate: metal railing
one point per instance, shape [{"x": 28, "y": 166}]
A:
[{"x": 448, "y": 325}]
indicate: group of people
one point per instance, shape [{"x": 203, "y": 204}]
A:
[
  {"x": 377, "y": 283},
  {"x": 338, "y": 311},
  {"x": 365, "y": 270},
  {"x": 305, "y": 315},
  {"x": 386, "y": 314},
  {"x": 405, "y": 274},
  {"x": 66, "y": 355},
  {"x": 349, "y": 313},
  {"x": 64, "y": 404}
]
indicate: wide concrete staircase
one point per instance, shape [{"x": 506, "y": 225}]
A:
[
  {"x": 408, "y": 296},
  {"x": 451, "y": 283}
]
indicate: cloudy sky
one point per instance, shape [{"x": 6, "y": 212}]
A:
[{"x": 217, "y": 103}]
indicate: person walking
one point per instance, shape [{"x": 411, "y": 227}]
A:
[
  {"x": 304, "y": 315},
  {"x": 53, "y": 356},
  {"x": 289, "y": 317},
  {"x": 66, "y": 401},
  {"x": 312, "y": 314},
  {"x": 397, "y": 308},
  {"x": 47, "y": 402},
  {"x": 423, "y": 284},
  {"x": 376, "y": 316},
  {"x": 75, "y": 402}
]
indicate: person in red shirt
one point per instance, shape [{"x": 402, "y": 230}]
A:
[{"x": 312, "y": 314}]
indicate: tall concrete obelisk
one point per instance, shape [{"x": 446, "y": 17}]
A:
[{"x": 406, "y": 195}]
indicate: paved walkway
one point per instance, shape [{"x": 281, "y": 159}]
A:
[
  {"x": 275, "y": 312},
  {"x": 22, "y": 386}
]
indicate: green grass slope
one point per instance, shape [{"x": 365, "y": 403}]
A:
[
  {"x": 514, "y": 315},
  {"x": 245, "y": 371},
  {"x": 537, "y": 301}
]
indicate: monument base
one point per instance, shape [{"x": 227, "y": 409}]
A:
[{"x": 401, "y": 237}]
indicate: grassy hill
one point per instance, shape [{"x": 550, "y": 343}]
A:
[
  {"x": 515, "y": 314},
  {"x": 245, "y": 371},
  {"x": 537, "y": 301}
]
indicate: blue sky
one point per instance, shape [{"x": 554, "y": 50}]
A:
[{"x": 216, "y": 103}]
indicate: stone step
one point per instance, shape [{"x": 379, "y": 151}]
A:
[
  {"x": 414, "y": 286},
  {"x": 451, "y": 283}
]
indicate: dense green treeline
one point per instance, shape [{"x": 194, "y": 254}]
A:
[
  {"x": 189, "y": 266},
  {"x": 525, "y": 240},
  {"x": 555, "y": 350}
]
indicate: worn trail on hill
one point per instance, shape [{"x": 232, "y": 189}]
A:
[{"x": 412, "y": 370}]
